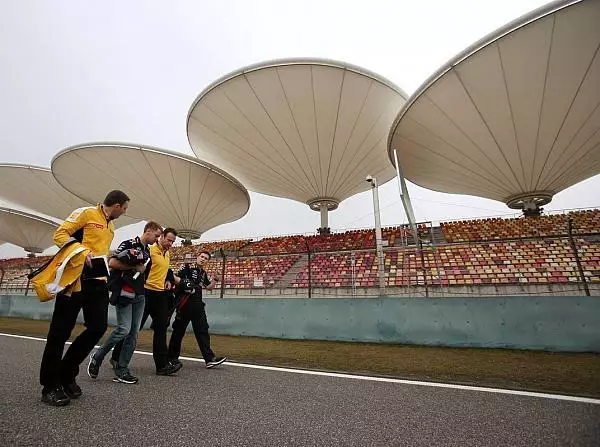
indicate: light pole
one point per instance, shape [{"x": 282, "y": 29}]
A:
[{"x": 378, "y": 239}]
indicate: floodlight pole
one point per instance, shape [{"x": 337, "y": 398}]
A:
[
  {"x": 378, "y": 237},
  {"x": 403, "y": 190}
]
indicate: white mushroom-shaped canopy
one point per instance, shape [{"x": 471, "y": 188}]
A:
[
  {"x": 515, "y": 117},
  {"x": 171, "y": 188},
  {"x": 35, "y": 188},
  {"x": 32, "y": 233},
  {"x": 310, "y": 130}
]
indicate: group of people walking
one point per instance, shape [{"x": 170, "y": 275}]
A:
[{"x": 140, "y": 283}]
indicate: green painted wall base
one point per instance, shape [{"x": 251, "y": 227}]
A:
[{"x": 543, "y": 323}]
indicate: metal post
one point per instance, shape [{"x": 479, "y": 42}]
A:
[
  {"x": 309, "y": 269},
  {"x": 353, "y": 264},
  {"x": 222, "y": 273},
  {"x": 405, "y": 258},
  {"x": 424, "y": 269},
  {"x": 28, "y": 280},
  {"x": 378, "y": 237},
  {"x": 576, "y": 253}
]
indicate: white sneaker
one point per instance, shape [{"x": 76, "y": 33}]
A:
[{"x": 215, "y": 361}]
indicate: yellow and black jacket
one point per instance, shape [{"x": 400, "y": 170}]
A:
[{"x": 87, "y": 230}]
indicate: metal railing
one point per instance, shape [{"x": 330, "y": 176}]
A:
[{"x": 557, "y": 264}]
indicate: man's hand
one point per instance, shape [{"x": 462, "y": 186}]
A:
[
  {"x": 140, "y": 268},
  {"x": 88, "y": 259},
  {"x": 168, "y": 285},
  {"x": 216, "y": 277}
]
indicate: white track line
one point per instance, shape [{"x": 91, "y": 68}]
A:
[{"x": 376, "y": 379}]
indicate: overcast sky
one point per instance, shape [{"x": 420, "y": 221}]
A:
[{"x": 74, "y": 72}]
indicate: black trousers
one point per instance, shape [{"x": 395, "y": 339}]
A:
[
  {"x": 57, "y": 369},
  {"x": 146, "y": 313},
  {"x": 157, "y": 307},
  {"x": 192, "y": 311}
]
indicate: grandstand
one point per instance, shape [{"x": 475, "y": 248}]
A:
[
  {"x": 13, "y": 273},
  {"x": 212, "y": 247},
  {"x": 584, "y": 222},
  {"x": 499, "y": 256}
]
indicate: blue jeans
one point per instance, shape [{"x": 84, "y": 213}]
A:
[{"x": 128, "y": 326}]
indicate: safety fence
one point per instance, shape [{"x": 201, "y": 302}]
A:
[{"x": 535, "y": 266}]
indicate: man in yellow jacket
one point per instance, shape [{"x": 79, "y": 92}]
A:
[{"x": 94, "y": 230}]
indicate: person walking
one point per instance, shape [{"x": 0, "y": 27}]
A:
[
  {"x": 90, "y": 229},
  {"x": 191, "y": 308},
  {"x": 126, "y": 286}
]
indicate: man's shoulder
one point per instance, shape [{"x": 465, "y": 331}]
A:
[
  {"x": 91, "y": 217},
  {"x": 156, "y": 252},
  {"x": 79, "y": 212},
  {"x": 127, "y": 243},
  {"x": 191, "y": 270}
]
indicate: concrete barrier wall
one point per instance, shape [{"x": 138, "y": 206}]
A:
[{"x": 545, "y": 323}]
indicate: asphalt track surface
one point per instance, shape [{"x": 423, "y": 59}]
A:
[{"x": 237, "y": 405}]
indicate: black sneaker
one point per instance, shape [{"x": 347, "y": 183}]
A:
[
  {"x": 176, "y": 362},
  {"x": 72, "y": 390},
  {"x": 114, "y": 363},
  {"x": 215, "y": 361},
  {"x": 168, "y": 370},
  {"x": 126, "y": 378},
  {"x": 93, "y": 368},
  {"x": 55, "y": 397}
]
